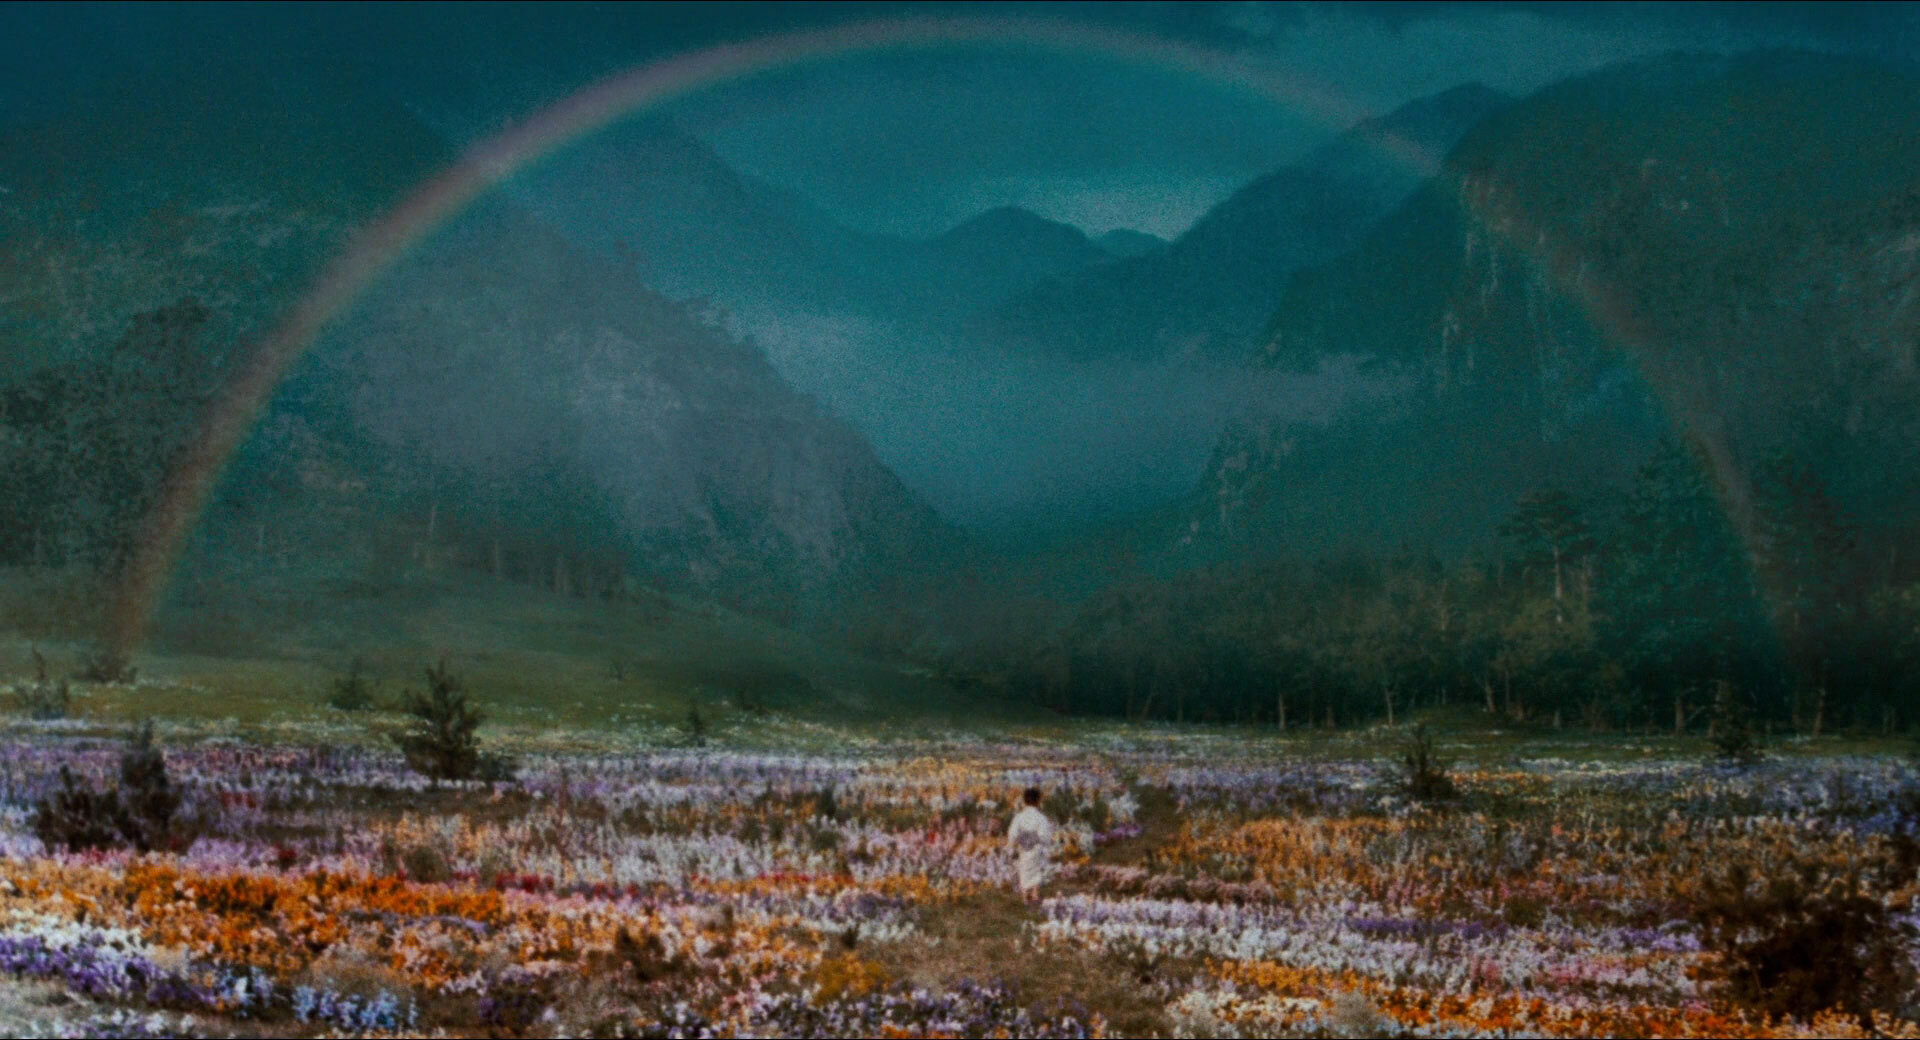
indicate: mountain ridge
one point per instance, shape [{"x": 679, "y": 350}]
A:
[
  {"x": 492, "y": 354},
  {"x": 1582, "y": 284},
  {"x": 662, "y": 200},
  {"x": 1209, "y": 292}
]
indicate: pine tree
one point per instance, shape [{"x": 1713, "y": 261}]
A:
[
  {"x": 1549, "y": 533},
  {"x": 1546, "y": 644},
  {"x": 147, "y": 798},
  {"x": 441, "y": 744},
  {"x": 1679, "y": 603},
  {"x": 1803, "y": 547}
]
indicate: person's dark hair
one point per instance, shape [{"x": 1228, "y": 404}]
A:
[{"x": 1032, "y": 796}]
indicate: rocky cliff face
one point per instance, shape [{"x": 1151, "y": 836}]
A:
[
  {"x": 1720, "y": 245},
  {"x": 503, "y": 353}
]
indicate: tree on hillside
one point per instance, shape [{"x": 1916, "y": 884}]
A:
[
  {"x": 1549, "y": 535},
  {"x": 1545, "y": 639},
  {"x": 1679, "y": 603},
  {"x": 1889, "y": 633},
  {"x": 1804, "y": 549},
  {"x": 1400, "y": 641},
  {"x": 1548, "y": 655}
]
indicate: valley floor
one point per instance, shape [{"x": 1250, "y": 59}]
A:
[{"x": 1209, "y": 883}]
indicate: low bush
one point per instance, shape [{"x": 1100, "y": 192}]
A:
[
  {"x": 697, "y": 728},
  {"x": 1731, "y": 731},
  {"x": 147, "y": 796},
  {"x": 643, "y": 959},
  {"x": 425, "y": 863},
  {"x": 108, "y": 666},
  {"x": 138, "y": 813},
  {"x": 44, "y": 699},
  {"x": 1803, "y": 939},
  {"x": 76, "y": 817},
  {"x": 1423, "y": 773},
  {"x": 353, "y": 691}
]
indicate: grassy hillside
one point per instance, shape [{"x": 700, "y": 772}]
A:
[{"x": 543, "y": 667}]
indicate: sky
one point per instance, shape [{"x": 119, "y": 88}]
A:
[
  {"x": 914, "y": 143},
  {"x": 910, "y": 144}
]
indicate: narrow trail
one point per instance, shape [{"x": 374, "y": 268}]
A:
[
  {"x": 1159, "y": 822},
  {"x": 34, "y": 1009},
  {"x": 991, "y": 935}
]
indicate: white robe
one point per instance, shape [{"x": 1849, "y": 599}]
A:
[{"x": 1031, "y": 836}]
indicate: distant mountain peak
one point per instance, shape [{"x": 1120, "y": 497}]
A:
[
  {"x": 1212, "y": 289},
  {"x": 1002, "y": 222},
  {"x": 1126, "y": 242},
  {"x": 1473, "y": 95}
]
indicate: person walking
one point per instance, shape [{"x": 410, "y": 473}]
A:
[{"x": 1031, "y": 837}]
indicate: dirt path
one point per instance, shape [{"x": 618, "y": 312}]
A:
[
  {"x": 1159, "y": 822},
  {"x": 989, "y": 935},
  {"x": 40, "y": 1009}
]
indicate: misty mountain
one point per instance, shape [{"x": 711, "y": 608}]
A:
[
  {"x": 685, "y": 221},
  {"x": 499, "y": 392},
  {"x": 869, "y": 326},
  {"x": 690, "y": 225},
  {"x": 1123, "y": 243},
  {"x": 540, "y": 375},
  {"x": 987, "y": 259},
  {"x": 1211, "y": 291},
  {"x": 1723, "y": 247}
]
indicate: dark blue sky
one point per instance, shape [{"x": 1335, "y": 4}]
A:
[{"x": 912, "y": 143}]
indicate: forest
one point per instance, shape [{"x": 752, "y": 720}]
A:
[{"x": 1650, "y": 609}]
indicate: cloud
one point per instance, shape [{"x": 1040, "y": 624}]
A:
[
  {"x": 1003, "y": 441},
  {"x": 911, "y": 143},
  {"x": 904, "y": 143},
  {"x": 1383, "y": 63}
]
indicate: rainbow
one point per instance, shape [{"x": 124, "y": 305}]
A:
[{"x": 229, "y": 418}]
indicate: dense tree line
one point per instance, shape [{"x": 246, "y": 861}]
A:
[{"x": 1652, "y": 609}]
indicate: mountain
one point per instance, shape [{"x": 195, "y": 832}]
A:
[
  {"x": 1122, "y": 242},
  {"x": 506, "y": 357},
  {"x": 1724, "y": 247},
  {"x": 997, "y": 254},
  {"x": 232, "y": 182},
  {"x": 689, "y": 224},
  {"x": 1212, "y": 289},
  {"x": 686, "y": 222},
  {"x": 501, "y": 398}
]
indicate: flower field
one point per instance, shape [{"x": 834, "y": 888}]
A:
[{"x": 1217, "y": 886}]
